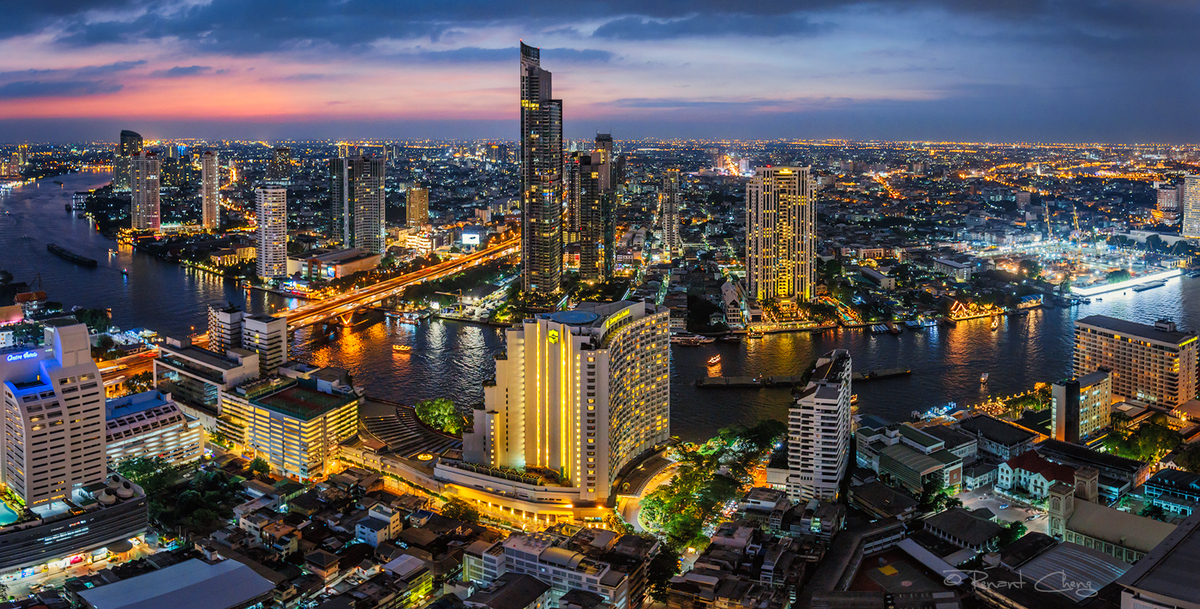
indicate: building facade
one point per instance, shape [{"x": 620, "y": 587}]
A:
[
  {"x": 144, "y": 189},
  {"x": 271, "y": 203},
  {"x": 593, "y": 215},
  {"x": 669, "y": 213},
  {"x": 197, "y": 377},
  {"x": 150, "y": 424},
  {"x": 266, "y": 336},
  {"x": 1154, "y": 364},
  {"x": 1190, "y": 202},
  {"x": 54, "y": 412},
  {"x": 210, "y": 185},
  {"x": 819, "y": 431},
  {"x": 1080, "y": 408},
  {"x": 541, "y": 180},
  {"x": 579, "y": 394},
  {"x": 359, "y": 202},
  {"x": 130, "y": 144},
  {"x": 224, "y": 328},
  {"x": 279, "y": 169},
  {"x": 780, "y": 235},
  {"x": 416, "y": 211}
]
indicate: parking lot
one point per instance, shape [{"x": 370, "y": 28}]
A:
[{"x": 985, "y": 498}]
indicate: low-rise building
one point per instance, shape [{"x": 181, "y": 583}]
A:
[
  {"x": 1031, "y": 473},
  {"x": 997, "y": 438},
  {"x": 223, "y": 583},
  {"x": 197, "y": 377},
  {"x": 512, "y": 591},
  {"x": 1076, "y": 517},
  {"x": 964, "y": 528},
  {"x": 1166, "y": 578},
  {"x": 1173, "y": 490},
  {"x": 332, "y": 264},
  {"x": 150, "y": 424}
]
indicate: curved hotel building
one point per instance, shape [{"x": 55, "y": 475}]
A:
[{"x": 578, "y": 396}]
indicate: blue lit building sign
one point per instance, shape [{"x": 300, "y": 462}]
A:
[{"x": 16, "y": 357}]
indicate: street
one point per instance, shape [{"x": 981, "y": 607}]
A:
[{"x": 985, "y": 498}]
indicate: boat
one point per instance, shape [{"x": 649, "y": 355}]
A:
[
  {"x": 995, "y": 322},
  {"x": 69, "y": 256},
  {"x": 754, "y": 334},
  {"x": 732, "y": 338},
  {"x": 125, "y": 272},
  {"x": 983, "y": 378},
  {"x": 714, "y": 360},
  {"x": 1149, "y": 286},
  {"x": 853, "y": 399},
  {"x": 401, "y": 348},
  {"x": 68, "y": 206},
  {"x": 704, "y": 340}
]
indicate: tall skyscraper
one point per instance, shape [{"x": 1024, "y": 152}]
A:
[
  {"x": 23, "y": 155},
  {"x": 580, "y": 394},
  {"x": 541, "y": 180},
  {"x": 279, "y": 169},
  {"x": 54, "y": 440},
  {"x": 266, "y": 336},
  {"x": 144, "y": 188},
  {"x": 595, "y": 211},
  {"x": 1190, "y": 202},
  {"x": 780, "y": 235},
  {"x": 1080, "y": 407},
  {"x": 416, "y": 210},
  {"x": 1154, "y": 364},
  {"x": 209, "y": 188},
  {"x": 819, "y": 431},
  {"x": 358, "y": 202},
  {"x": 129, "y": 145},
  {"x": 669, "y": 212},
  {"x": 1168, "y": 198},
  {"x": 571, "y": 186},
  {"x": 272, "y": 231}
]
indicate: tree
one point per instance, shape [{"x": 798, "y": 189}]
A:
[
  {"x": 1014, "y": 531},
  {"x": 153, "y": 474},
  {"x": 440, "y": 414},
  {"x": 259, "y": 467},
  {"x": 458, "y": 509},
  {"x": 142, "y": 381},
  {"x": 1030, "y": 269},
  {"x": 663, "y": 567},
  {"x": 1154, "y": 511}
]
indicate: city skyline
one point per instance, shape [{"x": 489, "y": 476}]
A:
[{"x": 865, "y": 70}]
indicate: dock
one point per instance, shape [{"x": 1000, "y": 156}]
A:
[{"x": 757, "y": 382}]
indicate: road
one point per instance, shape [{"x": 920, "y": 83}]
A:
[
  {"x": 985, "y": 498},
  {"x": 343, "y": 304}
]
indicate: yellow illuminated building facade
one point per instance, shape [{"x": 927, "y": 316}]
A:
[
  {"x": 578, "y": 395},
  {"x": 294, "y": 424},
  {"x": 780, "y": 235},
  {"x": 1154, "y": 364}
]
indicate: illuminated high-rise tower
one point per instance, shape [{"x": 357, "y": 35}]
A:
[
  {"x": 144, "y": 188},
  {"x": 1190, "y": 202},
  {"x": 416, "y": 210},
  {"x": 780, "y": 235},
  {"x": 130, "y": 144},
  {"x": 358, "y": 202},
  {"x": 541, "y": 180},
  {"x": 279, "y": 169},
  {"x": 668, "y": 212},
  {"x": 272, "y": 231},
  {"x": 209, "y": 186}
]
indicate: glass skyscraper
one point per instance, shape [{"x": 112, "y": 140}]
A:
[{"x": 541, "y": 181}]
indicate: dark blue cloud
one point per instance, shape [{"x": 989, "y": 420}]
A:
[
  {"x": 180, "y": 71},
  {"x": 81, "y": 72},
  {"x": 709, "y": 25},
  {"x": 55, "y": 88}
]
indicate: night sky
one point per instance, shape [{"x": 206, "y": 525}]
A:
[{"x": 975, "y": 70}]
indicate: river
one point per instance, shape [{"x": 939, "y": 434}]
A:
[{"x": 450, "y": 359}]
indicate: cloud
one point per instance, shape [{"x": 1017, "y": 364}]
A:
[
  {"x": 81, "y": 72},
  {"x": 708, "y": 25},
  {"x": 64, "y": 88},
  {"x": 181, "y": 71}
]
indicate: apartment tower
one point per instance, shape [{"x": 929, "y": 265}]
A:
[
  {"x": 819, "y": 431},
  {"x": 359, "y": 202},
  {"x": 210, "y": 184},
  {"x": 780, "y": 235},
  {"x": 271, "y": 202},
  {"x": 144, "y": 188},
  {"x": 668, "y": 213},
  {"x": 541, "y": 180}
]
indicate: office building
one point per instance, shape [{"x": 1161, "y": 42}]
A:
[
  {"x": 1080, "y": 407},
  {"x": 330, "y": 264},
  {"x": 1149, "y": 363},
  {"x": 197, "y": 377},
  {"x": 210, "y": 184},
  {"x": 357, "y": 190},
  {"x": 668, "y": 213},
  {"x": 266, "y": 336},
  {"x": 541, "y": 181},
  {"x": 416, "y": 211},
  {"x": 1168, "y": 198},
  {"x": 54, "y": 413},
  {"x": 272, "y": 231},
  {"x": 129, "y": 145},
  {"x": 1189, "y": 201},
  {"x": 594, "y": 215},
  {"x": 224, "y": 328},
  {"x": 780, "y": 235},
  {"x": 279, "y": 169},
  {"x": 294, "y": 423},
  {"x": 819, "y": 431},
  {"x": 579, "y": 395},
  {"x": 150, "y": 424},
  {"x": 23, "y": 154},
  {"x": 1165, "y": 578},
  {"x": 144, "y": 188}
]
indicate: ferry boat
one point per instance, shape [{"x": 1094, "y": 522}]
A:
[
  {"x": 754, "y": 334},
  {"x": 714, "y": 360},
  {"x": 983, "y": 378},
  {"x": 401, "y": 348}
]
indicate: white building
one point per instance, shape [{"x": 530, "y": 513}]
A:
[
  {"x": 224, "y": 328},
  {"x": 1190, "y": 202},
  {"x": 819, "y": 431},
  {"x": 580, "y": 394},
  {"x": 780, "y": 234},
  {"x": 272, "y": 231},
  {"x": 150, "y": 424},
  {"x": 144, "y": 184},
  {"x": 266, "y": 336},
  {"x": 959, "y": 271},
  {"x": 197, "y": 377},
  {"x": 1032, "y": 474},
  {"x": 54, "y": 411},
  {"x": 209, "y": 187}
]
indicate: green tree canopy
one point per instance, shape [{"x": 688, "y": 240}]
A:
[{"x": 440, "y": 413}]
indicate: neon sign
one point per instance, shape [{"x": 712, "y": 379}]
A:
[{"x": 16, "y": 357}]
